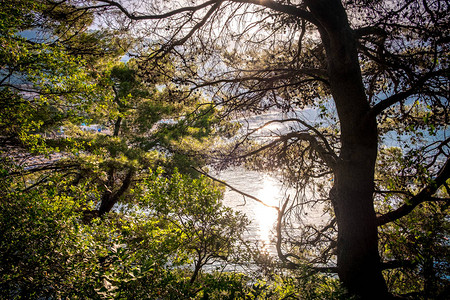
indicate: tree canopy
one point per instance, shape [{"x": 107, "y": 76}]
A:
[{"x": 373, "y": 149}]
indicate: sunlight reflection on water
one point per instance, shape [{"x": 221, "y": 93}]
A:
[
  {"x": 263, "y": 218},
  {"x": 265, "y": 187},
  {"x": 267, "y": 216}
]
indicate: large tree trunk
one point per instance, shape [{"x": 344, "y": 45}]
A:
[
  {"x": 358, "y": 259},
  {"x": 359, "y": 266}
]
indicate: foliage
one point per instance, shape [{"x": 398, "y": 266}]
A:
[
  {"x": 53, "y": 246},
  {"x": 374, "y": 74},
  {"x": 360, "y": 94},
  {"x": 208, "y": 230},
  {"x": 419, "y": 240},
  {"x": 43, "y": 83},
  {"x": 62, "y": 79},
  {"x": 48, "y": 251}
]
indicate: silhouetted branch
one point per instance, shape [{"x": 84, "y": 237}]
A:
[
  {"x": 235, "y": 189},
  {"x": 401, "y": 96},
  {"x": 398, "y": 264},
  {"x": 329, "y": 158},
  {"x": 135, "y": 17},
  {"x": 423, "y": 196}
]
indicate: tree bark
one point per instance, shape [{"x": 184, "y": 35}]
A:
[
  {"x": 117, "y": 126},
  {"x": 359, "y": 265},
  {"x": 109, "y": 198}
]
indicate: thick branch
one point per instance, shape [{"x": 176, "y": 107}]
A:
[
  {"x": 325, "y": 269},
  {"x": 287, "y": 9},
  {"x": 328, "y": 158},
  {"x": 415, "y": 88},
  {"x": 398, "y": 264},
  {"x": 111, "y": 198},
  {"x": 195, "y": 28},
  {"x": 422, "y": 196},
  {"x": 370, "y": 30},
  {"x": 279, "y": 221},
  {"x": 133, "y": 16},
  {"x": 317, "y": 74},
  {"x": 47, "y": 167}
]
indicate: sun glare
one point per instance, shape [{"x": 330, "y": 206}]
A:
[{"x": 267, "y": 216}]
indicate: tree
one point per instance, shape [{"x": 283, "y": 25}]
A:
[
  {"x": 53, "y": 174},
  {"x": 366, "y": 66},
  {"x": 209, "y": 231},
  {"x": 64, "y": 75},
  {"x": 47, "y": 251},
  {"x": 46, "y": 70},
  {"x": 152, "y": 124}
]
